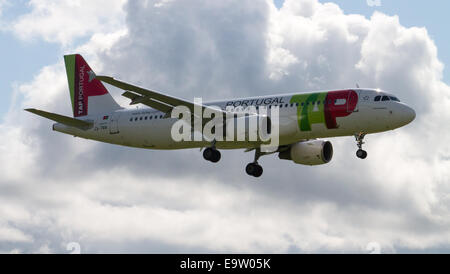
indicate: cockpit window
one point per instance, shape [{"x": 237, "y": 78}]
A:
[
  {"x": 394, "y": 98},
  {"x": 377, "y": 98},
  {"x": 385, "y": 98}
]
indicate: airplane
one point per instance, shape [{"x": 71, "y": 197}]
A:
[{"x": 305, "y": 119}]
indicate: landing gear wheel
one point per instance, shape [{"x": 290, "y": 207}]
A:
[
  {"x": 208, "y": 153},
  {"x": 216, "y": 156},
  {"x": 258, "y": 172},
  {"x": 362, "y": 154},
  {"x": 250, "y": 169},
  {"x": 254, "y": 170},
  {"x": 212, "y": 155}
]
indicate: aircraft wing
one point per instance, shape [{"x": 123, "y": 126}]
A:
[
  {"x": 136, "y": 99},
  {"x": 153, "y": 99},
  {"x": 69, "y": 121}
]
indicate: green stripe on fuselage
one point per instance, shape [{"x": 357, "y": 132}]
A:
[
  {"x": 311, "y": 112},
  {"x": 69, "y": 60}
]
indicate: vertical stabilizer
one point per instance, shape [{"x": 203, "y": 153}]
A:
[{"x": 88, "y": 95}]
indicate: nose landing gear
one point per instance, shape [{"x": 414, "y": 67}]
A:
[{"x": 360, "y": 153}]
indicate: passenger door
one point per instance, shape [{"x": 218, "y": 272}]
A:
[{"x": 114, "y": 123}]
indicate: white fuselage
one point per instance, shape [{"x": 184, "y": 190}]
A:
[{"x": 147, "y": 128}]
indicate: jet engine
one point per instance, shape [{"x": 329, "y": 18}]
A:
[{"x": 315, "y": 152}]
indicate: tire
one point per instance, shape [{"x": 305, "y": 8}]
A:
[
  {"x": 258, "y": 172},
  {"x": 250, "y": 169},
  {"x": 254, "y": 170},
  {"x": 362, "y": 154},
  {"x": 208, "y": 154},
  {"x": 215, "y": 156}
]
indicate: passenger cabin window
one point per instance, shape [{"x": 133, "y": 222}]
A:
[
  {"x": 385, "y": 98},
  {"x": 377, "y": 98}
]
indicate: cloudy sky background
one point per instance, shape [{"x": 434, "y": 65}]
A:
[{"x": 56, "y": 189}]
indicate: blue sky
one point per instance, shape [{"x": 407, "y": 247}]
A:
[{"x": 23, "y": 59}]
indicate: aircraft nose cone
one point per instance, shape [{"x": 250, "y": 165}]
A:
[{"x": 409, "y": 115}]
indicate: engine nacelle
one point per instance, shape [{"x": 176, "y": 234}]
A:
[{"x": 316, "y": 152}]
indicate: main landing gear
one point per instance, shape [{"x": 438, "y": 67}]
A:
[
  {"x": 211, "y": 153},
  {"x": 360, "y": 153},
  {"x": 254, "y": 169}
]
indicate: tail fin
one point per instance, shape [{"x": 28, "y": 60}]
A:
[{"x": 88, "y": 95}]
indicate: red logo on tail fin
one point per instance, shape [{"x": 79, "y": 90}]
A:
[{"x": 85, "y": 86}]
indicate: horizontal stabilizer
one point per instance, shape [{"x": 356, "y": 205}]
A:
[{"x": 68, "y": 121}]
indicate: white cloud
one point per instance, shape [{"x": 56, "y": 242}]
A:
[
  {"x": 374, "y": 3},
  {"x": 57, "y": 189},
  {"x": 65, "y": 21},
  {"x": 9, "y": 234}
]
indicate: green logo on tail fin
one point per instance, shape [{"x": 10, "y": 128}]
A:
[{"x": 69, "y": 60}]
